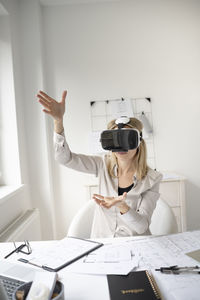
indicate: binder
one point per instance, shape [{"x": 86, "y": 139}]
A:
[
  {"x": 138, "y": 285},
  {"x": 61, "y": 253}
]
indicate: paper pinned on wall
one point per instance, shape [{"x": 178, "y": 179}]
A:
[{"x": 121, "y": 107}]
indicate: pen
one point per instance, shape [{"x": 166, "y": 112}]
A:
[
  {"x": 10, "y": 253},
  {"x": 14, "y": 251},
  {"x": 178, "y": 270}
]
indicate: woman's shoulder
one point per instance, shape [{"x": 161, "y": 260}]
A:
[
  {"x": 103, "y": 158},
  {"x": 151, "y": 178},
  {"x": 154, "y": 174}
]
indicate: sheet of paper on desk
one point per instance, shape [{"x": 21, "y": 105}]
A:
[
  {"x": 165, "y": 250},
  {"x": 186, "y": 241},
  {"x": 170, "y": 250},
  {"x": 109, "y": 259},
  {"x": 109, "y": 254},
  {"x": 147, "y": 253},
  {"x": 120, "y": 268},
  {"x": 178, "y": 287}
]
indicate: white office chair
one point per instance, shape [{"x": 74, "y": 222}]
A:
[
  {"x": 81, "y": 224},
  {"x": 162, "y": 222}
]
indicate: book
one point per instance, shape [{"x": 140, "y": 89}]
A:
[
  {"x": 138, "y": 285},
  {"x": 60, "y": 254}
]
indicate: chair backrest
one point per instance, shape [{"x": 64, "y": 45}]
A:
[
  {"x": 163, "y": 220},
  {"x": 81, "y": 224}
]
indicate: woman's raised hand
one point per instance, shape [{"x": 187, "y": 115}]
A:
[{"x": 51, "y": 106}]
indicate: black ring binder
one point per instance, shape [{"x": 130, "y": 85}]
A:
[
  {"x": 153, "y": 285},
  {"x": 138, "y": 285}
]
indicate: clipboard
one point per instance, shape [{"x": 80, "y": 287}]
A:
[{"x": 61, "y": 254}]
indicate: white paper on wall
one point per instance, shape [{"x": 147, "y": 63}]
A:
[{"x": 121, "y": 108}]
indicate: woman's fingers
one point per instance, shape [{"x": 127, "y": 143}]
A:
[
  {"x": 108, "y": 202},
  {"x": 44, "y": 103},
  {"x": 98, "y": 196},
  {"x": 64, "y": 94},
  {"x": 45, "y": 96},
  {"x": 103, "y": 197},
  {"x": 124, "y": 196},
  {"x": 46, "y": 111},
  {"x": 101, "y": 201},
  {"x": 42, "y": 98},
  {"x": 97, "y": 200},
  {"x": 51, "y": 106}
]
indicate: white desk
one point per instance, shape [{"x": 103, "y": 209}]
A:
[{"x": 172, "y": 287}]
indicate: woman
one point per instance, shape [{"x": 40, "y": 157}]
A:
[{"x": 128, "y": 188}]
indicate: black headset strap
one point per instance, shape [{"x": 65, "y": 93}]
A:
[{"x": 120, "y": 125}]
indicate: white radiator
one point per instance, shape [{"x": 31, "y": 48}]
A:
[{"x": 25, "y": 227}]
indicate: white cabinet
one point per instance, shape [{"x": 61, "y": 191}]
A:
[
  {"x": 172, "y": 190},
  {"x": 91, "y": 189}
]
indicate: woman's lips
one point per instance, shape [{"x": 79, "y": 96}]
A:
[{"x": 122, "y": 153}]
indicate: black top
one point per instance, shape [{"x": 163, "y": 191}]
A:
[{"x": 123, "y": 190}]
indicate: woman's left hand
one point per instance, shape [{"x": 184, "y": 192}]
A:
[{"x": 108, "y": 202}]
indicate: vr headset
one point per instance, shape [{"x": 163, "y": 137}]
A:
[{"x": 121, "y": 139}]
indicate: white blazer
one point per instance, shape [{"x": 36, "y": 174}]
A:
[{"x": 141, "y": 198}]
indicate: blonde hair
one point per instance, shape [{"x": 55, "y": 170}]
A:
[{"x": 140, "y": 158}]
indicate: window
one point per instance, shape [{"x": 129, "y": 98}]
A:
[
  {"x": 10, "y": 180},
  {"x": 9, "y": 156}
]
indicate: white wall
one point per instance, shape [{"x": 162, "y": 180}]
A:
[
  {"x": 97, "y": 51},
  {"x": 27, "y": 55},
  {"x": 128, "y": 48}
]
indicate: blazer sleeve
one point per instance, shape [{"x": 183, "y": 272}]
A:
[
  {"x": 83, "y": 163},
  {"x": 140, "y": 220}
]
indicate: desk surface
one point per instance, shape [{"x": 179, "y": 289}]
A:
[{"x": 172, "y": 287}]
